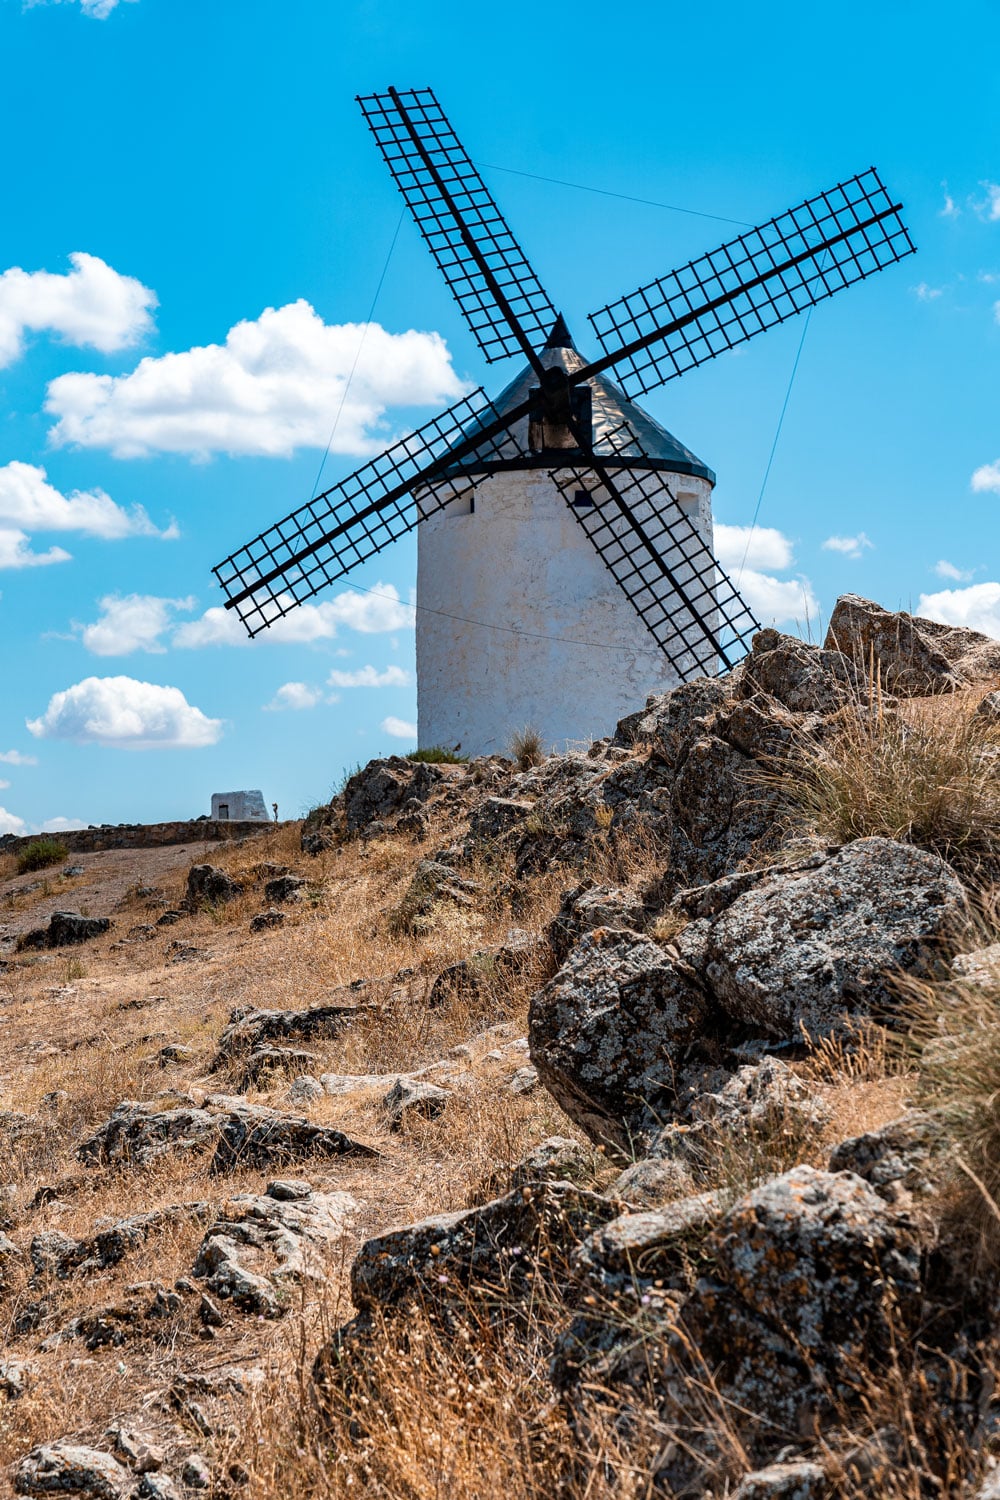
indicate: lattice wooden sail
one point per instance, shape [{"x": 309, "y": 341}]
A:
[{"x": 659, "y": 559}]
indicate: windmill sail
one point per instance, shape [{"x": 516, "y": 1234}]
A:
[
  {"x": 357, "y": 518},
  {"x": 488, "y": 273},
  {"x": 660, "y": 560},
  {"x": 751, "y": 283}
]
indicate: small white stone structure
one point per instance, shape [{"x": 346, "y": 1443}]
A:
[
  {"x": 239, "y": 807},
  {"x": 519, "y": 621}
]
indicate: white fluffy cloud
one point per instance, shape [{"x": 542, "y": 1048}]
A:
[
  {"x": 760, "y": 546},
  {"x": 945, "y": 569},
  {"x": 97, "y": 10},
  {"x": 11, "y": 824},
  {"x": 296, "y": 695},
  {"x": 15, "y": 758},
  {"x": 369, "y": 677},
  {"x": 989, "y": 208},
  {"x": 271, "y": 388},
  {"x": 60, "y": 824},
  {"x": 775, "y": 601},
  {"x": 986, "y": 478},
  {"x": 28, "y": 503},
  {"x": 91, "y": 305},
  {"x": 15, "y": 551},
  {"x": 849, "y": 546},
  {"x": 130, "y": 715},
  {"x": 976, "y": 608},
  {"x": 130, "y": 622},
  {"x": 400, "y": 729},
  {"x": 372, "y": 613}
]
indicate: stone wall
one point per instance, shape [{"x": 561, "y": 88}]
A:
[{"x": 140, "y": 835}]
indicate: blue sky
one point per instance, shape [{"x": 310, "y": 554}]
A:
[{"x": 177, "y": 170}]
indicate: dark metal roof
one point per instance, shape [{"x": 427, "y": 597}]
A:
[{"x": 656, "y": 448}]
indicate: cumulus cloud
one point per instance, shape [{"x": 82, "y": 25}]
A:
[
  {"x": 92, "y": 305},
  {"x": 754, "y": 546},
  {"x": 11, "y": 824},
  {"x": 60, "y": 825},
  {"x": 945, "y": 569},
  {"x": 926, "y": 293},
  {"x": 986, "y": 478},
  {"x": 15, "y": 551},
  {"x": 400, "y": 729},
  {"x": 97, "y": 10},
  {"x": 773, "y": 600},
  {"x": 849, "y": 546},
  {"x": 369, "y": 677},
  {"x": 372, "y": 613},
  {"x": 130, "y": 715},
  {"x": 950, "y": 209},
  {"x": 15, "y": 758},
  {"x": 28, "y": 503},
  {"x": 130, "y": 622},
  {"x": 268, "y": 390},
  {"x": 989, "y": 207},
  {"x": 976, "y": 607},
  {"x": 295, "y": 695}
]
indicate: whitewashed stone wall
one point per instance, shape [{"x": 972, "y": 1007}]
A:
[
  {"x": 560, "y": 648},
  {"x": 239, "y": 807}
]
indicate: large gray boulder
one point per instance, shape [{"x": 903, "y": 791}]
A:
[
  {"x": 913, "y": 656},
  {"x": 607, "y": 1033},
  {"x": 207, "y": 885},
  {"x": 801, "y": 949},
  {"x": 380, "y": 788}
]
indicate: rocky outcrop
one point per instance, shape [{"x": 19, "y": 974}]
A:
[
  {"x": 64, "y": 1468},
  {"x": 912, "y": 656},
  {"x": 207, "y": 885},
  {"x": 780, "y": 955},
  {"x": 249, "y": 1031},
  {"x": 608, "y": 1033},
  {"x": 380, "y": 788}
]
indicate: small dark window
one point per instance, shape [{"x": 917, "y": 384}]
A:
[
  {"x": 583, "y": 500},
  {"x": 223, "y": 809}
]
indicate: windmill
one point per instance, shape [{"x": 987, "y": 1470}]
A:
[{"x": 565, "y": 562}]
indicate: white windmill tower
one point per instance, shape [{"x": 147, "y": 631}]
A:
[{"x": 565, "y": 564}]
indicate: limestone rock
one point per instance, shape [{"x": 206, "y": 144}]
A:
[
  {"x": 981, "y": 967},
  {"x": 490, "y": 1251},
  {"x": 804, "y": 679},
  {"x": 607, "y": 1032},
  {"x": 70, "y": 1469},
  {"x": 208, "y": 885},
  {"x": 433, "y": 882},
  {"x": 798, "y": 950},
  {"x": 652, "y": 1181},
  {"x": 137, "y": 1133},
  {"x": 556, "y": 1159},
  {"x": 65, "y": 928},
  {"x": 412, "y": 1097},
  {"x": 255, "y": 1136},
  {"x": 284, "y": 888},
  {"x": 902, "y": 1160},
  {"x": 496, "y": 816},
  {"x": 260, "y": 1243},
  {"x": 264, "y": 921},
  {"x": 914, "y": 656},
  {"x": 587, "y": 906},
  {"x": 988, "y": 711},
  {"x": 800, "y": 1480},
  {"x": 247, "y": 1031}
]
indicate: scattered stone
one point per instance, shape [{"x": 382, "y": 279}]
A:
[
  {"x": 291, "y": 1226},
  {"x": 903, "y": 1160},
  {"x": 791, "y": 1481},
  {"x": 524, "y": 1081},
  {"x": 914, "y": 656},
  {"x": 410, "y": 1097},
  {"x": 268, "y": 1059},
  {"x": 431, "y": 883},
  {"x": 248, "y": 1030},
  {"x": 490, "y": 969},
  {"x": 158, "y": 1487},
  {"x": 652, "y": 1181},
  {"x": 196, "y": 1473},
  {"x": 70, "y": 1469},
  {"x": 140, "y": 1452},
  {"x": 255, "y": 1136},
  {"x": 988, "y": 710},
  {"x": 557, "y": 1159},
  {"x": 15, "y": 1377},
  {"x": 65, "y": 929},
  {"x": 305, "y": 1089},
  {"x": 142, "y": 933},
  {"x": 174, "y": 1052},
  {"x": 139, "y": 1132},
  {"x": 169, "y": 918},
  {"x": 183, "y": 953},
  {"x": 981, "y": 967},
  {"x": 264, "y": 921},
  {"x": 284, "y": 888},
  {"x": 207, "y": 885}
]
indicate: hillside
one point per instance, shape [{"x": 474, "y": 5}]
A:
[{"x": 618, "y": 1124}]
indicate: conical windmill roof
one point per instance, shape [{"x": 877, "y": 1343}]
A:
[{"x": 655, "y": 446}]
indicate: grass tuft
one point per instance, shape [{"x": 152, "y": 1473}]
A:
[
  {"x": 41, "y": 853},
  {"x": 437, "y": 755},
  {"x": 527, "y": 748}
]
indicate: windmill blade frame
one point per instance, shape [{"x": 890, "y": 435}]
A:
[
  {"x": 659, "y": 560},
  {"x": 750, "y": 283},
  {"x": 356, "y": 518},
  {"x": 502, "y": 300}
]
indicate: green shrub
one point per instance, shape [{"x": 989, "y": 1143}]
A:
[
  {"x": 436, "y": 755},
  {"x": 40, "y": 854}
]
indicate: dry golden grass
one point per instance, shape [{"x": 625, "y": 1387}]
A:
[{"x": 927, "y": 776}]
